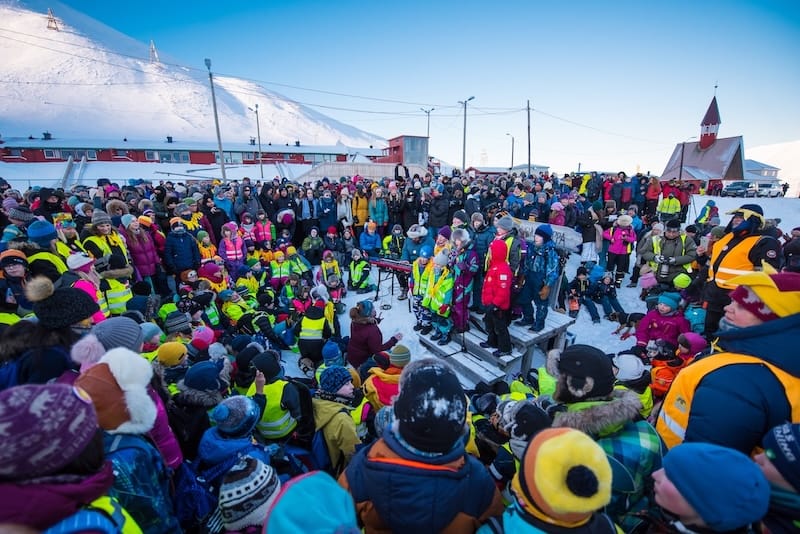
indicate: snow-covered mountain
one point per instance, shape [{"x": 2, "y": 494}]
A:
[{"x": 88, "y": 80}]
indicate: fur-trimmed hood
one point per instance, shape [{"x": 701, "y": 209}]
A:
[
  {"x": 125, "y": 272},
  {"x": 194, "y": 397},
  {"x": 356, "y": 317},
  {"x": 604, "y": 417},
  {"x": 113, "y": 204}
]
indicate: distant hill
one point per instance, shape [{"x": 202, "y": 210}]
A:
[{"x": 785, "y": 156}]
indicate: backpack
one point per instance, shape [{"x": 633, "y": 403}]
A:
[
  {"x": 663, "y": 373},
  {"x": 320, "y": 457},
  {"x": 696, "y": 315},
  {"x": 91, "y": 519},
  {"x": 9, "y": 374},
  {"x": 141, "y": 482},
  {"x": 197, "y": 492}
]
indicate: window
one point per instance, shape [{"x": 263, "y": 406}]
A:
[
  {"x": 151, "y": 155},
  {"x": 15, "y": 152},
  {"x": 249, "y": 156},
  {"x": 174, "y": 157},
  {"x": 51, "y": 153},
  {"x": 76, "y": 155},
  {"x": 91, "y": 154}
]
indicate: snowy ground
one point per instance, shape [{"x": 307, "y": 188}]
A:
[{"x": 399, "y": 319}]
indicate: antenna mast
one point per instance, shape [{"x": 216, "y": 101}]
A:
[
  {"x": 52, "y": 22},
  {"x": 153, "y": 53}
]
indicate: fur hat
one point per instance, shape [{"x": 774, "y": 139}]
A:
[
  {"x": 782, "y": 447},
  {"x": 563, "y": 473},
  {"x": 58, "y": 308},
  {"x": 768, "y": 296},
  {"x": 477, "y": 216},
  {"x": 416, "y": 231},
  {"x": 521, "y": 420},
  {"x": 43, "y": 429},
  {"x": 333, "y": 378},
  {"x": 236, "y": 416},
  {"x": 584, "y": 372},
  {"x": 247, "y": 493},
  {"x": 726, "y": 488},
  {"x": 460, "y": 234},
  {"x": 624, "y": 221},
  {"x": 430, "y": 409},
  {"x": 118, "y": 388}
]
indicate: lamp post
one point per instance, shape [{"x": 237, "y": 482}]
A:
[
  {"x": 511, "y": 169},
  {"x": 258, "y": 131},
  {"x": 428, "y": 134},
  {"x": 216, "y": 120},
  {"x": 683, "y": 149},
  {"x": 464, "y": 146}
]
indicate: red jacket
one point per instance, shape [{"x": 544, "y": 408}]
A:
[{"x": 498, "y": 279}]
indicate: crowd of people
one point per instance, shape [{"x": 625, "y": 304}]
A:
[{"x": 144, "y": 329}]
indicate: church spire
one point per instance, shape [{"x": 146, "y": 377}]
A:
[{"x": 710, "y": 125}]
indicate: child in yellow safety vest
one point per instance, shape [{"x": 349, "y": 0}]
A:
[
  {"x": 279, "y": 398},
  {"x": 438, "y": 297},
  {"x": 418, "y": 284}
]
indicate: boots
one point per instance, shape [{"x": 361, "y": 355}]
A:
[
  {"x": 618, "y": 277},
  {"x": 425, "y": 330},
  {"x": 436, "y": 335},
  {"x": 418, "y": 327},
  {"x": 444, "y": 340}
]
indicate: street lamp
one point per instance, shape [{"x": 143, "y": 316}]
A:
[
  {"x": 464, "y": 147},
  {"x": 511, "y": 169},
  {"x": 216, "y": 120},
  {"x": 428, "y": 134},
  {"x": 683, "y": 148},
  {"x": 258, "y": 130}
]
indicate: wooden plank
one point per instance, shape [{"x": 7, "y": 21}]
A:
[{"x": 468, "y": 366}]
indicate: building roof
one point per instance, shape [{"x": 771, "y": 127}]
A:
[
  {"x": 712, "y": 114},
  {"x": 724, "y": 160},
  {"x": 753, "y": 165},
  {"x": 191, "y": 146}
]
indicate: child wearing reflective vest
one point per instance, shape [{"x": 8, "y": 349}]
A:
[
  {"x": 279, "y": 399},
  {"x": 438, "y": 298}
]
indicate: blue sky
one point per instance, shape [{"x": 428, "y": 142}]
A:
[{"x": 613, "y": 85}]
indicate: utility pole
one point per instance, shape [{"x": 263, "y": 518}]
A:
[
  {"x": 511, "y": 169},
  {"x": 464, "y": 146},
  {"x": 216, "y": 121},
  {"x": 428, "y": 134},
  {"x": 258, "y": 130},
  {"x": 529, "y": 138}
]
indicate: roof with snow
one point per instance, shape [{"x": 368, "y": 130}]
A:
[
  {"x": 191, "y": 146},
  {"x": 753, "y": 165},
  {"x": 724, "y": 160}
]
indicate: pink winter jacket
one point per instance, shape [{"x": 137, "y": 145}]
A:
[
  {"x": 162, "y": 435},
  {"x": 621, "y": 239},
  {"x": 656, "y": 326}
]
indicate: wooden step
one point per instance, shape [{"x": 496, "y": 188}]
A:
[
  {"x": 470, "y": 368},
  {"x": 473, "y": 341}
]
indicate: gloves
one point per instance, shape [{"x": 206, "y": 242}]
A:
[
  {"x": 544, "y": 293},
  {"x": 658, "y": 258},
  {"x": 671, "y": 261},
  {"x": 443, "y": 309}
]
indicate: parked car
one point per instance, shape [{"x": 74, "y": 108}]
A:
[
  {"x": 770, "y": 190},
  {"x": 740, "y": 189}
]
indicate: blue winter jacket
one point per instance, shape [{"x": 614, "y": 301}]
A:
[
  {"x": 181, "y": 252},
  {"x": 214, "y": 448},
  {"x": 370, "y": 242},
  {"x": 411, "y": 250},
  {"x": 734, "y": 406}
]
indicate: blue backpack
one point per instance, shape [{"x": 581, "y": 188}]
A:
[
  {"x": 141, "y": 482},
  {"x": 696, "y": 315},
  {"x": 91, "y": 519}
]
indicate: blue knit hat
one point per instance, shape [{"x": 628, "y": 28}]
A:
[
  {"x": 670, "y": 299},
  {"x": 42, "y": 233},
  {"x": 366, "y": 308},
  {"x": 545, "y": 231},
  {"x": 333, "y": 510},
  {"x": 226, "y": 295},
  {"x": 236, "y": 416},
  {"x": 331, "y": 354},
  {"x": 333, "y": 378},
  {"x": 725, "y": 487},
  {"x": 204, "y": 376}
]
